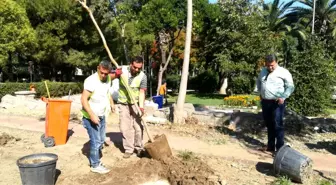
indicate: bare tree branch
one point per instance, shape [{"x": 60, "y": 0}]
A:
[
  {"x": 83, "y": 3},
  {"x": 178, "y": 34},
  {"x": 168, "y": 59}
]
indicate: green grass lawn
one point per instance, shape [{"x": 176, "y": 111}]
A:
[{"x": 199, "y": 99}]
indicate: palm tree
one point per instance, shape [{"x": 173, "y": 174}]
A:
[
  {"x": 279, "y": 19},
  {"x": 324, "y": 14},
  {"x": 274, "y": 14},
  {"x": 296, "y": 30}
]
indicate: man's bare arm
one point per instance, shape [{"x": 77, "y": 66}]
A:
[
  {"x": 84, "y": 100},
  {"x": 142, "y": 98}
]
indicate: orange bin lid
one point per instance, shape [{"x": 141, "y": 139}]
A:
[
  {"x": 59, "y": 100},
  {"x": 54, "y": 100}
]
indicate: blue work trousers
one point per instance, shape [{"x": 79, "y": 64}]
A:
[
  {"x": 97, "y": 135},
  {"x": 273, "y": 114}
]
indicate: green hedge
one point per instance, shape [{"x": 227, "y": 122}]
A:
[
  {"x": 56, "y": 89},
  {"x": 242, "y": 84},
  {"x": 314, "y": 76},
  {"x": 173, "y": 82},
  {"x": 205, "y": 82}
]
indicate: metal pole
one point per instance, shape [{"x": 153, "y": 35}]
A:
[{"x": 313, "y": 17}]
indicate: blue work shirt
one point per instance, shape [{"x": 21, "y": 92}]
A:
[{"x": 274, "y": 85}]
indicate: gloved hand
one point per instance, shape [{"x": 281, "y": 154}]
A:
[
  {"x": 118, "y": 72},
  {"x": 142, "y": 111}
]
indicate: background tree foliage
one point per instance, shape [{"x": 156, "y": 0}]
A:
[
  {"x": 17, "y": 34},
  {"x": 314, "y": 76}
]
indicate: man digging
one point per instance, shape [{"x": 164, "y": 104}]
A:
[
  {"x": 130, "y": 122},
  {"x": 275, "y": 84}
]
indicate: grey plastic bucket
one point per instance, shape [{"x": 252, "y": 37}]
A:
[
  {"x": 38, "y": 173},
  {"x": 291, "y": 163}
]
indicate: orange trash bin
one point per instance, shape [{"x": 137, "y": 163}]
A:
[{"x": 57, "y": 120}]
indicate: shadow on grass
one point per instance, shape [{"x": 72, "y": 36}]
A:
[
  {"x": 330, "y": 146},
  {"x": 241, "y": 136},
  {"x": 325, "y": 177},
  {"x": 203, "y": 95},
  {"x": 250, "y": 126},
  {"x": 209, "y": 95}
]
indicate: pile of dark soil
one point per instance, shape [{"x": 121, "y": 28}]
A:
[{"x": 172, "y": 169}]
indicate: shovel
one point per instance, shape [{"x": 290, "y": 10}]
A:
[{"x": 158, "y": 148}]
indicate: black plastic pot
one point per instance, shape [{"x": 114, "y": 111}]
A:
[{"x": 38, "y": 173}]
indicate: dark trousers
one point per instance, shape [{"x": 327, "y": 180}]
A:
[{"x": 273, "y": 114}]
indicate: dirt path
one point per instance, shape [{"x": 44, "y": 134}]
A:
[
  {"x": 235, "y": 163},
  {"x": 232, "y": 149}
]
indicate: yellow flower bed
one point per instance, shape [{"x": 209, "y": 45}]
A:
[{"x": 242, "y": 100}]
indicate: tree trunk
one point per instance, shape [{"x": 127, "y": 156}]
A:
[
  {"x": 10, "y": 67},
  {"x": 53, "y": 74},
  {"x": 160, "y": 74},
  {"x": 124, "y": 44},
  {"x": 162, "y": 70},
  {"x": 178, "y": 109},
  {"x": 224, "y": 86}
]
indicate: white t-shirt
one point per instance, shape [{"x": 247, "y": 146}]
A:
[
  {"x": 114, "y": 90},
  {"x": 99, "y": 99}
]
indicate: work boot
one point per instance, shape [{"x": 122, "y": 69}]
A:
[
  {"x": 140, "y": 153},
  {"x": 127, "y": 155}
]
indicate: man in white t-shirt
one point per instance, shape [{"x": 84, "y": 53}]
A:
[
  {"x": 114, "y": 90},
  {"x": 95, "y": 100}
]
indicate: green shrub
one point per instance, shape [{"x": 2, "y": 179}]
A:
[
  {"x": 56, "y": 89},
  {"x": 173, "y": 82},
  {"x": 187, "y": 155},
  {"x": 325, "y": 182},
  {"x": 206, "y": 82},
  {"x": 241, "y": 85},
  {"x": 282, "y": 181},
  {"x": 313, "y": 73}
]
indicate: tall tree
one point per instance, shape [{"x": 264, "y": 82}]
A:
[
  {"x": 66, "y": 37},
  {"x": 274, "y": 14},
  {"x": 314, "y": 81},
  {"x": 236, "y": 42},
  {"x": 178, "y": 112},
  {"x": 16, "y": 36},
  {"x": 126, "y": 17},
  {"x": 162, "y": 18},
  {"x": 324, "y": 14}
]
